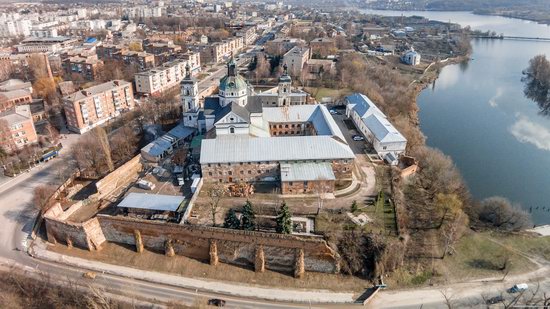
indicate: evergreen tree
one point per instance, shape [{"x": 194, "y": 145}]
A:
[
  {"x": 231, "y": 220},
  {"x": 248, "y": 218},
  {"x": 284, "y": 220}
]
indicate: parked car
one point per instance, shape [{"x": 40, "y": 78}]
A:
[
  {"x": 520, "y": 287},
  {"x": 358, "y": 138},
  {"x": 216, "y": 302},
  {"x": 334, "y": 112},
  {"x": 495, "y": 300}
]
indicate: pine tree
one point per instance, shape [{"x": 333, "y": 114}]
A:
[
  {"x": 231, "y": 220},
  {"x": 248, "y": 218},
  {"x": 284, "y": 220}
]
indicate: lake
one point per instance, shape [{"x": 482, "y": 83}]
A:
[{"x": 477, "y": 114}]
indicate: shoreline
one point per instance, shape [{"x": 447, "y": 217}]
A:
[{"x": 541, "y": 22}]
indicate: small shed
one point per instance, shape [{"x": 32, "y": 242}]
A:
[{"x": 152, "y": 206}]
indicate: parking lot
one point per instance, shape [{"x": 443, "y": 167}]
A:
[{"x": 348, "y": 129}]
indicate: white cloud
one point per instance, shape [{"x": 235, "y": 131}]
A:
[
  {"x": 493, "y": 100},
  {"x": 530, "y": 132}
]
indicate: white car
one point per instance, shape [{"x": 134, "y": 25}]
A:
[
  {"x": 358, "y": 138},
  {"x": 333, "y": 112}
]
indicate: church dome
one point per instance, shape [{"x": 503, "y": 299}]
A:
[{"x": 232, "y": 82}]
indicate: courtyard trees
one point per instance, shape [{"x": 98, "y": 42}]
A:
[
  {"x": 215, "y": 193},
  {"x": 248, "y": 218},
  {"x": 284, "y": 220},
  {"x": 231, "y": 220}
]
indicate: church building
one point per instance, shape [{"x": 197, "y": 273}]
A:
[{"x": 280, "y": 135}]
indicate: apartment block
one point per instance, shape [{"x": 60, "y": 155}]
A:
[
  {"x": 122, "y": 54},
  {"x": 161, "y": 78},
  {"x": 219, "y": 51},
  {"x": 295, "y": 59},
  {"x": 86, "y": 67},
  {"x": 248, "y": 34},
  {"x": 88, "y": 108},
  {"x": 17, "y": 128}
]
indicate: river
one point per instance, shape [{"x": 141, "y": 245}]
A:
[{"x": 477, "y": 113}]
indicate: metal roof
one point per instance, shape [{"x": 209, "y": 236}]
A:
[
  {"x": 307, "y": 171},
  {"x": 382, "y": 129},
  {"x": 244, "y": 148},
  {"x": 152, "y": 201},
  {"x": 163, "y": 143},
  {"x": 363, "y": 105},
  {"x": 318, "y": 115}
]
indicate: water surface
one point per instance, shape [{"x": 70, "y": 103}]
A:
[{"x": 477, "y": 114}]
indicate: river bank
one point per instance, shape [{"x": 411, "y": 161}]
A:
[{"x": 539, "y": 17}]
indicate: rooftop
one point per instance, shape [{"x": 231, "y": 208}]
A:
[
  {"x": 244, "y": 148},
  {"x": 79, "y": 95},
  {"x": 307, "y": 171},
  {"x": 17, "y": 115},
  {"x": 152, "y": 201}
]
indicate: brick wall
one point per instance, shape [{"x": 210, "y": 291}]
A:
[
  {"x": 308, "y": 187},
  {"x": 236, "y": 172},
  {"x": 119, "y": 176},
  {"x": 289, "y": 128},
  {"x": 233, "y": 246}
]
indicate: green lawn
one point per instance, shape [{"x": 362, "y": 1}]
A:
[{"x": 477, "y": 256}]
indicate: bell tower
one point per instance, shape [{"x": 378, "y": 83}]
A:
[
  {"x": 284, "y": 88},
  {"x": 189, "y": 99}
]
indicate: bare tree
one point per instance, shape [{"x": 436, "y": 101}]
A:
[
  {"x": 41, "y": 195},
  {"x": 215, "y": 193},
  {"x": 500, "y": 214},
  {"x": 448, "y": 299}
]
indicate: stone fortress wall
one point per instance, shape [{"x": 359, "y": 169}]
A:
[{"x": 259, "y": 250}]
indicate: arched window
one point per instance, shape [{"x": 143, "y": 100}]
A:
[{"x": 232, "y": 130}]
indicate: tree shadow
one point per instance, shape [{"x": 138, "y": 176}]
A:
[{"x": 483, "y": 264}]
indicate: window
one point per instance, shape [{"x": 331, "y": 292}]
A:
[
  {"x": 384, "y": 147},
  {"x": 232, "y": 130},
  {"x": 230, "y": 173},
  {"x": 290, "y": 184},
  {"x": 305, "y": 183},
  {"x": 209, "y": 173}
]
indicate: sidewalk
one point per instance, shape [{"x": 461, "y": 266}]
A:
[{"x": 38, "y": 250}]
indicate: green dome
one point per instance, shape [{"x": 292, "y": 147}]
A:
[{"x": 233, "y": 84}]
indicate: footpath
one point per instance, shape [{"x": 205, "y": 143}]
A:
[{"x": 38, "y": 250}]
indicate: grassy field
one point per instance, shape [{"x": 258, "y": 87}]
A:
[{"x": 480, "y": 255}]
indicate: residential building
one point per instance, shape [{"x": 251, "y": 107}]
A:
[
  {"x": 15, "y": 28},
  {"x": 17, "y": 128},
  {"x": 281, "y": 46},
  {"x": 295, "y": 59},
  {"x": 248, "y": 34},
  {"x": 161, "y": 78},
  {"x": 388, "y": 143},
  {"x": 219, "y": 51},
  {"x": 14, "y": 93},
  {"x": 322, "y": 47},
  {"x": 50, "y": 32},
  {"x": 90, "y": 107},
  {"x": 121, "y": 53},
  {"x": 164, "y": 51},
  {"x": 86, "y": 67}
]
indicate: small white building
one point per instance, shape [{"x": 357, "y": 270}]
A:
[
  {"x": 411, "y": 57},
  {"x": 376, "y": 127}
]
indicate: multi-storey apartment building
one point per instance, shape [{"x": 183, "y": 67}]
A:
[
  {"x": 248, "y": 34},
  {"x": 219, "y": 51},
  {"x": 17, "y": 128},
  {"x": 86, "y": 67},
  {"x": 295, "y": 59},
  {"x": 121, "y": 53},
  {"x": 88, "y": 108},
  {"x": 162, "y": 78}
]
